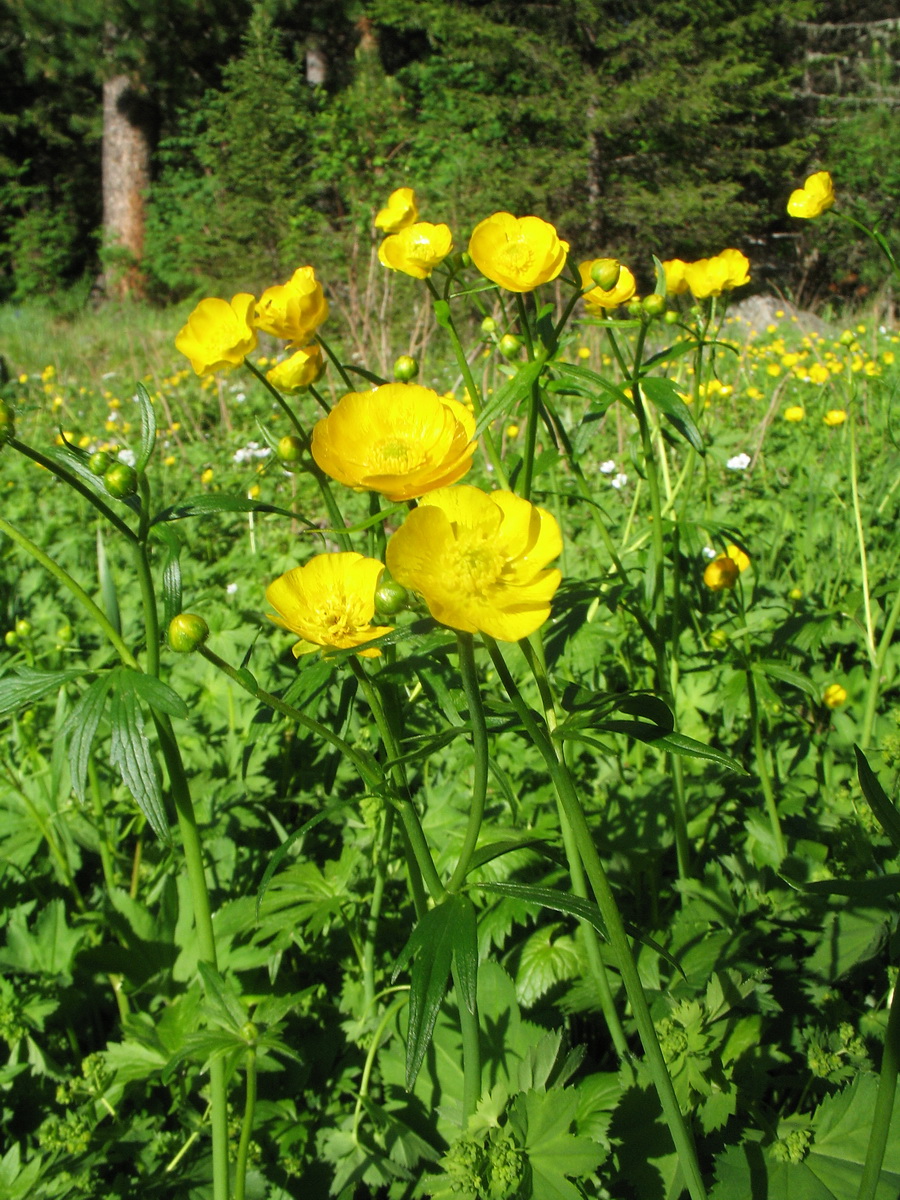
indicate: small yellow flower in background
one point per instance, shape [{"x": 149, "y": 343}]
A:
[
  {"x": 816, "y": 195},
  {"x": 400, "y": 439},
  {"x": 207, "y": 476},
  {"x": 773, "y": 369},
  {"x": 796, "y": 412},
  {"x": 23, "y": 378},
  {"x": 676, "y": 282},
  {"x": 299, "y": 371},
  {"x": 584, "y": 352},
  {"x": 834, "y": 696},
  {"x": 737, "y": 555},
  {"x": 48, "y": 373},
  {"x": 518, "y": 253},
  {"x": 887, "y": 357},
  {"x": 417, "y": 249},
  {"x": 512, "y": 431},
  {"x": 479, "y": 560},
  {"x": 712, "y": 276},
  {"x": 721, "y": 573},
  {"x": 329, "y": 602},
  {"x": 753, "y": 393},
  {"x": 218, "y": 334},
  {"x": 169, "y": 460},
  {"x": 835, "y": 416},
  {"x": 400, "y": 211},
  {"x": 595, "y": 298},
  {"x": 293, "y": 310},
  {"x": 253, "y": 491},
  {"x": 818, "y": 373}
]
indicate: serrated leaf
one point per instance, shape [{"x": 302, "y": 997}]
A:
[
  {"x": 109, "y": 593},
  {"x": 81, "y": 727},
  {"x": 154, "y": 692},
  {"x": 148, "y": 427},
  {"x": 664, "y": 394},
  {"x": 222, "y": 1000},
  {"x": 130, "y": 753},
  {"x": 878, "y": 799},
  {"x": 171, "y": 573},
  {"x": 542, "y": 1121},
  {"x": 505, "y": 399},
  {"x": 28, "y": 685},
  {"x": 465, "y": 952}
]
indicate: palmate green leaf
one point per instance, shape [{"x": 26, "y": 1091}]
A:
[
  {"x": 47, "y": 948},
  {"x": 664, "y": 394},
  {"x": 541, "y": 1121},
  {"x": 878, "y": 799},
  {"x": 445, "y": 935},
  {"x": 277, "y": 858},
  {"x": 828, "y": 1167},
  {"x": 148, "y": 427},
  {"x": 17, "y": 1182},
  {"x": 130, "y": 753},
  {"x": 28, "y": 685}
]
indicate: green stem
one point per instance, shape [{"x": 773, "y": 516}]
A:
[
  {"x": 534, "y": 403},
  {"x": 381, "y": 865},
  {"x": 148, "y": 602},
  {"x": 471, "y": 1050},
  {"x": 874, "y": 689},
  {"x": 612, "y": 919},
  {"x": 471, "y": 387},
  {"x": 884, "y": 1104},
  {"x": 480, "y": 749},
  {"x": 62, "y": 576},
  {"x": 762, "y": 767},
  {"x": 861, "y": 540},
  {"x": 337, "y": 362},
  {"x": 240, "y": 1176}
]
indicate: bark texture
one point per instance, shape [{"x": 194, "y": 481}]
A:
[{"x": 126, "y": 178}]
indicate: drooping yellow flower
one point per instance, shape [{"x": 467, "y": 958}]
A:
[
  {"x": 400, "y": 439},
  {"x": 401, "y": 210},
  {"x": 299, "y": 371},
  {"x": 293, "y": 310},
  {"x": 835, "y": 416},
  {"x": 595, "y": 298},
  {"x": 795, "y": 413},
  {"x": 737, "y": 555},
  {"x": 814, "y": 198},
  {"x": 676, "y": 283},
  {"x": 721, "y": 573},
  {"x": 329, "y": 602},
  {"x": 479, "y": 560},
  {"x": 518, "y": 253},
  {"x": 712, "y": 276},
  {"x": 417, "y": 249},
  {"x": 218, "y": 334},
  {"x": 834, "y": 696}
]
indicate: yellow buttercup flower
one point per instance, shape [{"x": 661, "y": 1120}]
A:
[
  {"x": 329, "y": 602},
  {"x": 795, "y": 413},
  {"x": 676, "y": 283},
  {"x": 400, "y": 439},
  {"x": 479, "y": 560},
  {"x": 400, "y": 211},
  {"x": 299, "y": 371},
  {"x": 518, "y": 253},
  {"x": 834, "y": 696},
  {"x": 218, "y": 334},
  {"x": 835, "y": 416},
  {"x": 595, "y": 298},
  {"x": 814, "y": 198},
  {"x": 818, "y": 373},
  {"x": 293, "y": 310},
  {"x": 721, "y": 573},
  {"x": 737, "y": 555},
  {"x": 417, "y": 249},
  {"x": 712, "y": 276}
]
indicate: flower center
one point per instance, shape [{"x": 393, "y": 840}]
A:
[
  {"x": 476, "y": 569},
  {"x": 516, "y": 257},
  {"x": 395, "y": 456}
]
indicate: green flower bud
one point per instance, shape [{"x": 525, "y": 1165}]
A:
[
  {"x": 391, "y": 597},
  {"x": 488, "y": 326},
  {"x": 670, "y": 316},
  {"x": 11, "y": 638},
  {"x": 120, "y": 481},
  {"x": 465, "y": 259},
  {"x": 64, "y": 634},
  {"x": 636, "y": 308},
  {"x": 847, "y": 338},
  {"x": 718, "y": 637},
  {"x": 605, "y": 273},
  {"x": 249, "y": 1033},
  {"x": 23, "y": 627},
  {"x": 289, "y": 451},
  {"x": 187, "y": 632},
  {"x": 654, "y": 305},
  {"x": 100, "y": 462},
  {"x": 405, "y": 368},
  {"x": 7, "y": 423},
  {"x": 510, "y": 345}
]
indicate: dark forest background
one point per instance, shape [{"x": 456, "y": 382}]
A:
[{"x": 163, "y": 148}]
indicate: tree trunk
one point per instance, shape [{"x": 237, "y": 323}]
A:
[{"x": 126, "y": 177}]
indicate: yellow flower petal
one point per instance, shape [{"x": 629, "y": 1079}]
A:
[
  {"x": 814, "y": 198},
  {"x": 400, "y": 211},
  {"x": 596, "y": 298},
  {"x": 293, "y": 310},
  {"x": 218, "y": 334},
  {"x": 518, "y": 253},
  {"x": 417, "y": 249}
]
